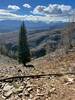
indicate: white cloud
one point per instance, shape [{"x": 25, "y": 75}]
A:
[
  {"x": 13, "y": 7},
  {"x": 39, "y": 9},
  {"x": 7, "y": 15},
  {"x": 52, "y": 9},
  {"x": 26, "y": 5},
  {"x": 3, "y": 11},
  {"x": 51, "y": 13}
]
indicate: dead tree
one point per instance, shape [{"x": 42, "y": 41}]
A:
[{"x": 67, "y": 34}]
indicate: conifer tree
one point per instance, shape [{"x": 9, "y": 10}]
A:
[{"x": 23, "y": 49}]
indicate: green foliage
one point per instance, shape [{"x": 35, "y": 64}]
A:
[{"x": 23, "y": 49}]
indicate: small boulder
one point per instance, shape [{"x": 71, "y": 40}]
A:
[
  {"x": 7, "y": 94},
  {"x": 7, "y": 90},
  {"x": 7, "y": 87}
]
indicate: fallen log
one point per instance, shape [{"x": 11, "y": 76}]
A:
[{"x": 10, "y": 79}]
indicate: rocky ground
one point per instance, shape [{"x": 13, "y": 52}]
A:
[{"x": 44, "y": 88}]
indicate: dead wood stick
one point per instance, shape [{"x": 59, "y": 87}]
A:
[{"x": 9, "y": 79}]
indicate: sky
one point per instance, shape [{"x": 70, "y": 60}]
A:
[{"x": 37, "y": 10}]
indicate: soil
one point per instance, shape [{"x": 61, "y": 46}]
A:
[{"x": 44, "y": 88}]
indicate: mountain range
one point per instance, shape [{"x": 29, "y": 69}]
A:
[
  {"x": 39, "y": 35},
  {"x": 12, "y": 25}
]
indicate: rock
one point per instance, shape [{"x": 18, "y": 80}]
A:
[
  {"x": 26, "y": 93},
  {"x": 28, "y": 85},
  {"x": 71, "y": 80},
  {"x": 3, "y": 84},
  {"x": 31, "y": 96},
  {"x": 7, "y": 90},
  {"x": 68, "y": 80},
  {"x": 25, "y": 83},
  {"x": 38, "y": 91},
  {"x": 40, "y": 94},
  {"x": 28, "y": 79},
  {"x": 7, "y": 94},
  {"x": 52, "y": 90},
  {"x": 20, "y": 95},
  {"x": 3, "y": 97},
  {"x": 29, "y": 89},
  {"x": 7, "y": 87}
]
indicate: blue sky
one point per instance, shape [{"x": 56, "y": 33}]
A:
[
  {"x": 37, "y": 10},
  {"x": 5, "y": 3}
]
